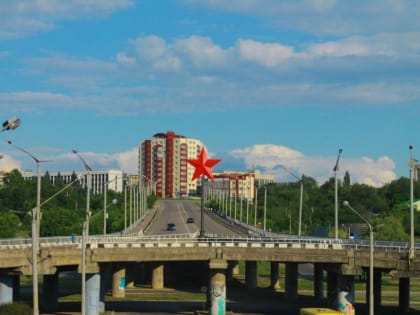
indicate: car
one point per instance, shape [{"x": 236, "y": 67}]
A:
[
  {"x": 171, "y": 227},
  {"x": 190, "y": 220}
]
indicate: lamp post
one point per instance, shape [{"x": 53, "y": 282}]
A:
[
  {"x": 371, "y": 247},
  {"x": 85, "y": 230},
  {"x": 335, "y": 169},
  {"x": 411, "y": 253},
  {"x": 105, "y": 195},
  {"x": 35, "y": 226},
  {"x": 300, "y": 198},
  {"x": 10, "y": 124}
]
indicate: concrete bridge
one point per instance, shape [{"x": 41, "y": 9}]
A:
[{"x": 127, "y": 255}]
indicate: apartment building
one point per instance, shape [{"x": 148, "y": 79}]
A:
[{"x": 163, "y": 165}]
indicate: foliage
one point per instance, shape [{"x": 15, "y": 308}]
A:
[
  {"x": 63, "y": 215},
  {"x": 15, "y": 309},
  {"x": 9, "y": 224}
]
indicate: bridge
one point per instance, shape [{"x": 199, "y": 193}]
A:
[{"x": 149, "y": 248}]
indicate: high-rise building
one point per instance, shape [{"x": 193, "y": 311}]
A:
[{"x": 163, "y": 164}]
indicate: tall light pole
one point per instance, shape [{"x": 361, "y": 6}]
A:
[
  {"x": 10, "y": 124},
  {"x": 335, "y": 169},
  {"x": 105, "y": 206},
  {"x": 85, "y": 230},
  {"x": 371, "y": 247},
  {"x": 411, "y": 253},
  {"x": 35, "y": 228},
  {"x": 300, "y": 199}
]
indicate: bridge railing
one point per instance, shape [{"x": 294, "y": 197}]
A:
[{"x": 278, "y": 241}]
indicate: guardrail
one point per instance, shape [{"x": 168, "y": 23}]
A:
[{"x": 174, "y": 240}]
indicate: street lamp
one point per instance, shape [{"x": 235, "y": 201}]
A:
[
  {"x": 347, "y": 204},
  {"x": 300, "y": 199},
  {"x": 10, "y": 124},
  {"x": 335, "y": 169},
  {"x": 36, "y": 212},
  {"x": 411, "y": 253},
  {"x": 85, "y": 230},
  {"x": 113, "y": 201}
]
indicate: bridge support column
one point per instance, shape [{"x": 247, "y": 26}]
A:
[
  {"x": 6, "y": 289},
  {"x": 93, "y": 287},
  {"x": 118, "y": 281},
  {"x": 377, "y": 289},
  {"x": 251, "y": 275},
  {"x": 404, "y": 295},
  {"x": 50, "y": 292},
  {"x": 291, "y": 281},
  {"x": 216, "y": 296},
  {"x": 332, "y": 283},
  {"x": 345, "y": 296},
  {"x": 16, "y": 287},
  {"x": 274, "y": 275},
  {"x": 105, "y": 283},
  {"x": 158, "y": 275},
  {"x": 318, "y": 282}
]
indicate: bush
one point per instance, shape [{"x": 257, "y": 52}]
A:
[{"x": 15, "y": 309}]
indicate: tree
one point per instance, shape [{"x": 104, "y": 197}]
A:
[
  {"x": 346, "y": 180},
  {"x": 9, "y": 225}
]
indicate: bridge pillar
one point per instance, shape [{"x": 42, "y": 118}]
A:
[
  {"x": 345, "y": 295},
  {"x": 16, "y": 287},
  {"x": 251, "y": 275},
  {"x": 318, "y": 282},
  {"x": 93, "y": 287},
  {"x": 377, "y": 289},
  {"x": 6, "y": 289},
  {"x": 291, "y": 281},
  {"x": 105, "y": 283},
  {"x": 274, "y": 275},
  {"x": 50, "y": 292},
  {"x": 404, "y": 295},
  {"x": 332, "y": 284},
  {"x": 216, "y": 294},
  {"x": 118, "y": 281},
  {"x": 158, "y": 275}
]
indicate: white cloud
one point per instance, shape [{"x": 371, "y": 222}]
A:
[
  {"x": 286, "y": 163},
  {"x": 128, "y": 161},
  {"x": 7, "y": 163},
  {"x": 23, "y": 17},
  {"x": 267, "y": 54},
  {"x": 326, "y": 17}
]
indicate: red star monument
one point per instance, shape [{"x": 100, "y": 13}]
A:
[{"x": 203, "y": 165}]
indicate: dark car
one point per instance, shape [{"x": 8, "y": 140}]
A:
[
  {"x": 190, "y": 220},
  {"x": 171, "y": 227}
]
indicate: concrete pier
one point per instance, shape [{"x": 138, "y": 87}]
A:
[
  {"x": 6, "y": 289},
  {"x": 291, "y": 281},
  {"x": 251, "y": 275},
  {"x": 50, "y": 293},
  {"x": 274, "y": 275},
  {"x": 118, "y": 281},
  {"x": 216, "y": 295}
]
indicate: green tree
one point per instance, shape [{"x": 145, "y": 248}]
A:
[{"x": 9, "y": 225}]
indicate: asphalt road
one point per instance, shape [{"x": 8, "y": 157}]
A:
[{"x": 178, "y": 211}]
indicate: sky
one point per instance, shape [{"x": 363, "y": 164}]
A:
[{"x": 275, "y": 85}]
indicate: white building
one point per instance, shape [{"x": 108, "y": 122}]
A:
[{"x": 100, "y": 179}]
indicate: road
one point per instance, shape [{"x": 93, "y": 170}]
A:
[{"x": 177, "y": 211}]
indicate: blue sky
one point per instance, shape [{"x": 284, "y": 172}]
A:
[{"x": 263, "y": 83}]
